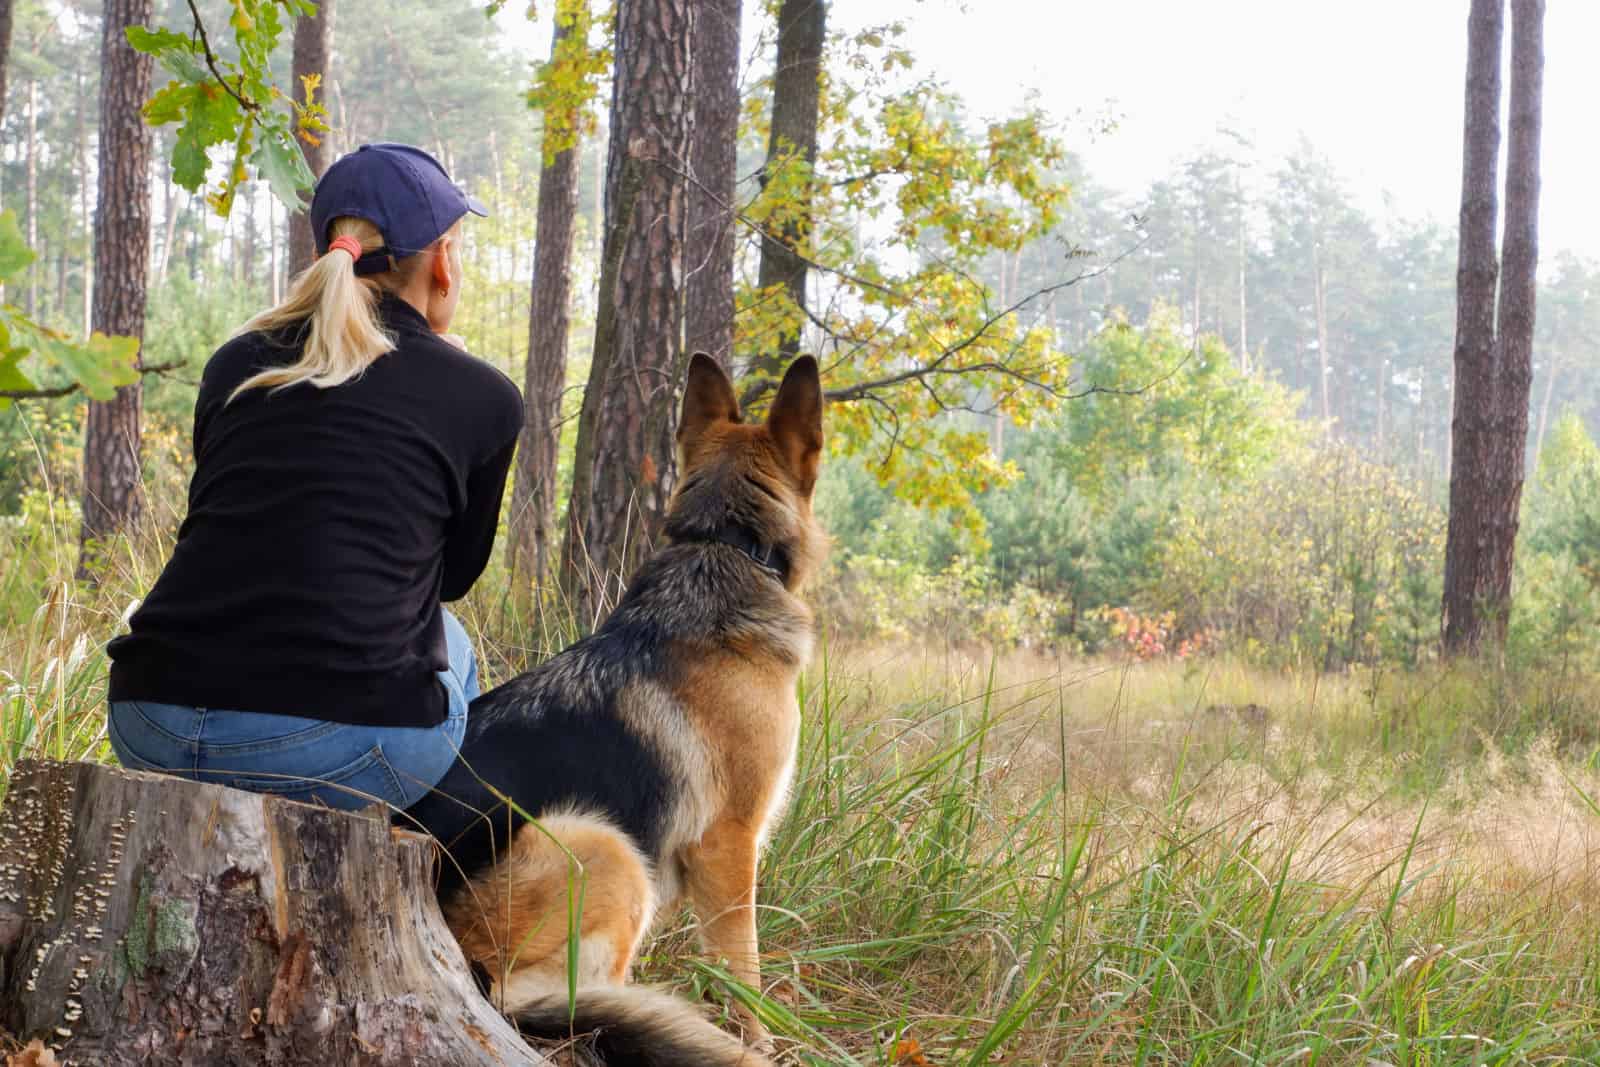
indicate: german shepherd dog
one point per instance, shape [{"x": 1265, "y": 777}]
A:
[{"x": 655, "y": 754}]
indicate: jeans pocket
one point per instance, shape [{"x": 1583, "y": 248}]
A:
[
  {"x": 127, "y": 755},
  {"x": 243, "y": 734},
  {"x": 161, "y": 725},
  {"x": 362, "y": 781}
]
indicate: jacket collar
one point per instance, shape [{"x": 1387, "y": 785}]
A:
[{"x": 399, "y": 315}]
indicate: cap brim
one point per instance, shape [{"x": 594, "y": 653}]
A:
[{"x": 475, "y": 205}]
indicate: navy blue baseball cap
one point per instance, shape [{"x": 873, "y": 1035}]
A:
[{"x": 401, "y": 190}]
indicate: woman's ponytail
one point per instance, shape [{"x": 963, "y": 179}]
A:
[{"x": 344, "y": 334}]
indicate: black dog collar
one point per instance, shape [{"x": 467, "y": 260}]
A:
[{"x": 767, "y": 555}]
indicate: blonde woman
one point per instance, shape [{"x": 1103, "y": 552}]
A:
[{"x": 350, "y": 460}]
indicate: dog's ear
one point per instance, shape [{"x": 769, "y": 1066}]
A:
[
  {"x": 707, "y": 399},
  {"x": 796, "y": 420}
]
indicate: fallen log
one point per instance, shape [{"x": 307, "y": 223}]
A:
[{"x": 150, "y": 920}]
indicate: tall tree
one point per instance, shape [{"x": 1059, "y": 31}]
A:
[
  {"x": 111, "y": 477},
  {"x": 791, "y": 155},
  {"x": 623, "y": 459},
  {"x": 713, "y": 161},
  {"x": 533, "y": 494},
  {"x": 1494, "y": 325},
  {"x": 313, "y": 40},
  {"x": 5, "y": 50}
]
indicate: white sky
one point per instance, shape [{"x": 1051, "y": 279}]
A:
[{"x": 1375, "y": 85}]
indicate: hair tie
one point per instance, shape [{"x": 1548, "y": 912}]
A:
[{"x": 348, "y": 243}]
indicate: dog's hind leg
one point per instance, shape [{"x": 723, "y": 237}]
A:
[{"x": 570, "y": 874}]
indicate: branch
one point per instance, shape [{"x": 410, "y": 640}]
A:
[
  {"x": 211, "y": 61},
  {"x": 939, "y": 365},
  {"x": 68, "y": 390},
  {"x": 761, "y": 386}
]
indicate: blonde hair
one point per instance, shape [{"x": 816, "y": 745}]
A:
[{"x": 345, "y": 335}]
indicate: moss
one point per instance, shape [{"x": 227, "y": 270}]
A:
[{"x": 161, "y": 932}]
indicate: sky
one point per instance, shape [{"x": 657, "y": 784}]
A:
[{"x": 1375, "y": 85}]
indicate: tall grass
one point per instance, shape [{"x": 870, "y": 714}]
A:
[
  {"x": 1008, "y": 859},
  {"x": 962, "y": 872}
]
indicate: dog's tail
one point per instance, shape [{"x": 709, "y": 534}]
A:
[{"x": 634, "y": 1026}]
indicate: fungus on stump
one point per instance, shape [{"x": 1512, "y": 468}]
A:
[{"x": 147, "y": 919}]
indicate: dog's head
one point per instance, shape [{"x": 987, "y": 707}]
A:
[{"x": 755, "y": 477}]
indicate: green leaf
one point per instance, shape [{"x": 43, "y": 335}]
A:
[
  {"x": 100, "y": 366},
  {"x": 15, "y": 255},
  {"x": 215, "y": 114},
  {"x": 170, "y": 104},
  {"x": 280, "y": 161},
  {"x": 11, "y": 377},
  {"x": 173, "y": 51},
  {"x": 213, "y": 118}
]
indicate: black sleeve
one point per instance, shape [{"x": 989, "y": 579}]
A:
[{"x": 466, "y": 553}]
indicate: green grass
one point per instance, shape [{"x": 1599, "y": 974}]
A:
[{"x": 1009, "y": 859}]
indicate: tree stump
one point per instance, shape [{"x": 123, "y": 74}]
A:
[{"x": 152, "y": 920}]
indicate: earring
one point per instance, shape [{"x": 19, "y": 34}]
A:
[{"x": 444, "y": 291}]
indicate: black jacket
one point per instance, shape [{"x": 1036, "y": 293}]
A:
[{"x": 324, "y": 528}]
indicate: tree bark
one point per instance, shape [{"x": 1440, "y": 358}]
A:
[
  {"x": 5, "y": 50},
  {"x": 713, "y": 160},
  {"x": 85, "y": 218},
  {"x": 533, "y": 494},
  {"x": 150, "y": 920},
  {"x": 1244, "y": 335},
  {"x": 1493, "y": 367},
  {"x": 1319, "y": 295},
  {"x": 31, "y": 157},
  {"x": 313, "y": 40},
  {"x": 623, "y": 471},
  {"x": 796, "y": 93},
  {"x": 111, "y": 475},
  {"x": 1544, "y": 406}
]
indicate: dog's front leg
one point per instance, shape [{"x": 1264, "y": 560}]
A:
[{"x": 720, "y": 872}]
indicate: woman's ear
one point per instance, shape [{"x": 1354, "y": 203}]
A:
[{"x": 440, "y": 268}]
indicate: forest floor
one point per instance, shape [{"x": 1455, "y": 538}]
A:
[{"x": 1026, "y": 860}]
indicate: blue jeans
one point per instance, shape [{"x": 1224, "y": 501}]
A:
[{"x": 341, "y": 765}]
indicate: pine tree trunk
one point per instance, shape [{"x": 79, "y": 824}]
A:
[
  {"x": 1320, "y": 307},
  {"x": 250, "y": 241},
  {"x": 1383, "y": 407},
  {"x": 111, "y": 475},
  {"x": 802, "y": 27},
  {"x": 31, "y": 157},
  {"x": 533, "y": 495},
  {"x": 5, "y": 50},
  {"x": 1544, "y": 406},
  {"x": 155, "y": 921},
  {"x": 623, "y": 469},
  {"x": 85, "y": 218},
  {"x": 713, "y": 160},
  {"x": 1244, "y": 335},
  {"x": 1514, "y": 323},
  {"x": 313, "y": 39},
  {"x": 1493, "y": 370},
  {"x": 274, "y": 282}
]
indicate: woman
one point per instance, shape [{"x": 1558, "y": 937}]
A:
[{"x": 349, "y": 464}]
